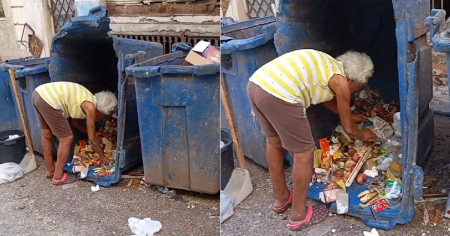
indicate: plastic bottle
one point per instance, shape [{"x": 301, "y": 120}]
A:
[{"x": 397, "y": 125}]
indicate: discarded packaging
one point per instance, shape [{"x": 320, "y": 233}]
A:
[
  {"x": 329, "y": 194},
  {"x": 426, "y": 217},
  {"x": 85, "y": 157},
  {"x": 144, "y": 227},
  {"x": 380, "y": 205},
  {"x": 372, "y": 173},
  {"x": 447, "y": 208},
  {"x": 203, "y": 53},
  {"x": 342, "y": 202},
  {"x": 226, "y": 206},
  {"x": 393, "y": 189},
  {"x": 95, "y": 188},
  {"x": 9, "y": 172},
  {"x": 385, "y": 163},
  {"x": 373, "y": 232}
]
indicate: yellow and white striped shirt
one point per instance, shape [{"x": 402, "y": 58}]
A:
[
  {"x": 300, "y": 76},
  {"x": 66, "y": 96}
]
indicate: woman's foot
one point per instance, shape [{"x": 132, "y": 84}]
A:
[
  {"x": 315, "y": 215},
  {"x": 49, "y": 175},
  {"x": 282, "y": 205},
  {"x": 66, "y": 179}
]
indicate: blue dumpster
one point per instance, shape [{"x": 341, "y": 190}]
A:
[
  {"x": 178, "y": 108},
  {"x": 30, "y": 73},
  {"x": 246, "y": 46},
  {"x": 84, "y": 53},
  {"x": 392, "y": 33}
]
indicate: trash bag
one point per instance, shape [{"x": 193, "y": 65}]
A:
[
  {"x": 9, "y": 172},
  {"x": 145, "y": 227},
  {"x": 381, "y": 129},
  {"x": 180, "y": 47},
  {"x": 226, "y": 207}
]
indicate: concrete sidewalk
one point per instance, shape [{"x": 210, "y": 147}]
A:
[{"x": 32, "y": 206}]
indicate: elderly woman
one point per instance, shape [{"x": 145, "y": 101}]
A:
[
  {"x": 279, "y": 94},
  {"x": 57, "y": 103}
]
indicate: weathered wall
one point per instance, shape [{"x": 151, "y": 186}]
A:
[
  {"x": 35, "y": 13},
  {"x": 10, "y": 30},
  {"x": 185, "y": 17},
  {"x": 194, "y": 26}
]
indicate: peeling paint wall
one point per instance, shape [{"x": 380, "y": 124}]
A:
[
  {"x": 10, "y": 30},
  {"x": 193, "y": 26},
  {"x": 193, "y": 18},
  {"x": 36, "y": 14}
]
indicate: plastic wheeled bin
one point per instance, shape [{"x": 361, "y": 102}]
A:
[
  {"x": 30, "y": 73},
  {"x": 392, "y": 33},
  {"x": 178, "y": 108},
  {"x": 84, "y": 53},
  {"x": 246, "y": 46},
  {"x": 440, "y": 38}
]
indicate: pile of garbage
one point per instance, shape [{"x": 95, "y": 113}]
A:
[
  {"x": 375, "y": 165},
  {"x": 85, "y": 156}
]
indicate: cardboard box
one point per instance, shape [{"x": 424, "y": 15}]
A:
[
  {"x": 369, "y": 164},
  {"x": 203, "y": 53}
]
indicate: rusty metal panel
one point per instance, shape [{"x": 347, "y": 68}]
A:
[
  {"x": 259, "y": 8},
  {"x": 168, "y": 41},
  {"x": 62, "y": 12}
]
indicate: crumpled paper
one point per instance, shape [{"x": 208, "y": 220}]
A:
[
  {"x": 144, "y": 227},
  {"x": 380, "y": 128},
  {"x": 373, "y": 232}
]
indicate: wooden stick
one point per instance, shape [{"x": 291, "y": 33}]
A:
[
  {"x": 230, "y": 119},
  {"x": 22, "y": 116}
]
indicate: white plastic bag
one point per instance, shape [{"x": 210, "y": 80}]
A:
[
  {"x": 9, "y": 172},
  {"x": 145, "y": 227},
  {"x": 226, "y": 207},
  {"x": 385, "y": 163},
  {"x": 381, "y": 129}
]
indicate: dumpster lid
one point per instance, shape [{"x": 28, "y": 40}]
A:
[
  {"x": 95, "y": 24},
  {"x": 24, "y": 66},
  {"x": 159, "y": 65}
]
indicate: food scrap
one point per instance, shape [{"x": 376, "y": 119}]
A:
[
  {"x": 343, "y": 160},
  {"x": 85, "y": 156}
]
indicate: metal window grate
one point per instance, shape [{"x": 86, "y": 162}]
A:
[
  {"x": 2, "y": 11},
  {"x": 259, "y": 8},
  {"x": 62, "y": 12},
  {"x": 168, "y": 41}
]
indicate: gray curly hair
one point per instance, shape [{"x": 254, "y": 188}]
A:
[
  {"x": 357, "y": 66},
  {"x": 106, "y": 102}
]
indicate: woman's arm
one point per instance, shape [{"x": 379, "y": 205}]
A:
[
  {"x": 91, "y": 112},
  {"x": 332, "y": 106},
  {"x": 341, "y": 89}
]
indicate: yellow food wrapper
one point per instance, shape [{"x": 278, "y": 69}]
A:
[
  {"x": 391, "y": 176},
  {"x": 342, "y": 185},
  {"x": 76, "y": 150},
  {"x": 317, "y": 158},
  {"x": 337, "y": 155}
]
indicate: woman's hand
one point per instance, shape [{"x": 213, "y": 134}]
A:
[
  {"x": 101, "y": 134},
  {"x": 368, "y": 135},
  {"x": 358, "y": 118}
]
